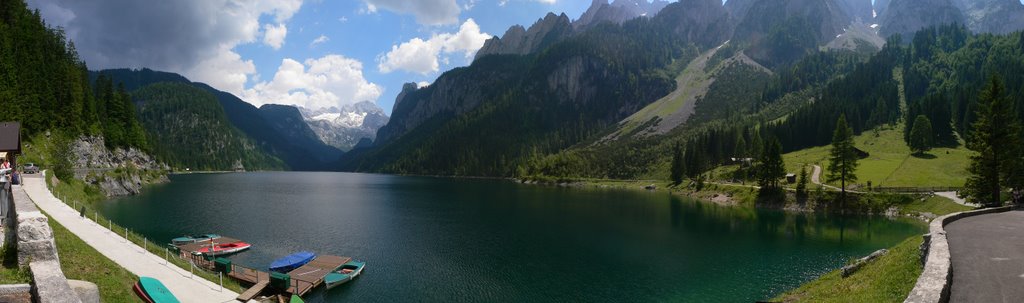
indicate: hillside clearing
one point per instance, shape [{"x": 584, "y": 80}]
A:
[{"x": 890, "y": 163}]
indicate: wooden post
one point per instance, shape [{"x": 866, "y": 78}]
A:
[
  {"x": 125, "y": 235},
  {"x": 145, "y": 244},
  {"x": 220, "y": 275}
]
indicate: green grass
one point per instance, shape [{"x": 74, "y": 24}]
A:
[
  {"x": 890, "y": 162},
  {"x": 886, "y": 279},
  {"x": 79, "y": 261},
  {"x": 10, "y": 272},
  {"x": 936, "y": 205}
]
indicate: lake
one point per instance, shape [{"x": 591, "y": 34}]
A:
[{"x": 465, "y": 240}]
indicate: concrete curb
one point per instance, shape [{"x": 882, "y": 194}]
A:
[{"x": 934, "y": 283}]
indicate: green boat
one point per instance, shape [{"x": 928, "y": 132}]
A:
[
  {"x": 153, "y": 291},
  {"x": 345, "y": 273},
  {"x": 296, "y": 299}
]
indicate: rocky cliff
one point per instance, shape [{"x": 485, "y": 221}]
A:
[
  {"x": 618, "y": 11},
  {"x": 118, "y": 172},
  {"x": 783, "y": 31},
  {"x": 519, "y": 41},
  {"x": 905, "y": 17},
  {"x": 992, "y": 16}
]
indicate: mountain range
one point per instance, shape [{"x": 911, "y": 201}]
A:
[
  {"x": 628, "y": 68},
  {"x": 275, "y": 131}
]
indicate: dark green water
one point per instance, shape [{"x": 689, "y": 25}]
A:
[{"x": 441, "y": 240}]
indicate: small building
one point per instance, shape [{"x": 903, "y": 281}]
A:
[
  {"x": 790, "y": 178},
  {"x": 10, "y": 141}
]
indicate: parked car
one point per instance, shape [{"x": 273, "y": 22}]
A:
[{"x": 30, "y": 168}]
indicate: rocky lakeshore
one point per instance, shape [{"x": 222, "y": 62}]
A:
[{"x": 117, "y": 172}]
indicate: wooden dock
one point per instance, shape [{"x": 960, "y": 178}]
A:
[{"x": 303, "y": 279}]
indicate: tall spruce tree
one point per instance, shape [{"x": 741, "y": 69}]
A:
[
  {"x": 842, "y": 160},
  {"x": 921, "y": 136},
  {"x": 995, "y": 139},
  {"x": 678, "y": 172},
  {"x": 772, "y": 168}
]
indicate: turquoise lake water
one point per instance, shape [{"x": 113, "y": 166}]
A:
[{"x": 461, "y": 240}]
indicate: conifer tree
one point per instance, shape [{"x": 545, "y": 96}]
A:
[
  {"x": 677, "y": 164},
  {"x": 772, "y": 168},
  {"x": 842, "y": 159},
  {"x": 996, "y": 142}
]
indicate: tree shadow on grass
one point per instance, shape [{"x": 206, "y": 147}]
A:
[{"x": 926, "y": 156}]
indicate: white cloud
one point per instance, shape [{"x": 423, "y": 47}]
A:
[
  {"x": 422, "y": 56},
  {"x": 319, "y": 40},
  {"x": 274, "y": 36},
  {"x": 195, "y": 38},
  {"x": 226, "y": 71},
  {"x": 427, "y": 12},
  {"x": 422, "y": 84},
  {"x": 332, "y": 80}
]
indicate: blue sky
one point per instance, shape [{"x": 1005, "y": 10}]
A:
[{"x": 313, "y": 53}]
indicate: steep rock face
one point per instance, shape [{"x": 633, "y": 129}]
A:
[
  {"x": 992, "y": 16},
  {"x": 618, "y": 11},
  {"x": 344, "y": 127},
  {"x": 455, "y": 92},
  {"x": 881, "y": 6},
  {"x": 858, "y": 9},
  {"x": 706, "y": 23},
  {"x": 519, "y": 41},
  {"x": 783, "y": 31},
  {"x": 905, "y": 17},
  {"x": 739, "y": 8},
  {"x": 91, "y": 161}
]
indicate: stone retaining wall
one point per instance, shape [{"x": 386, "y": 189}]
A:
[
  {"x": 37, "y": 248},
  {"x": 934, "y": 283}
]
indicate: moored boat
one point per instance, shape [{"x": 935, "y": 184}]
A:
[
  {"x": 220, "y": 249},
  {"x": 296, "y": 299},
  {"x": 345, "y": 273},
  {"x": 194, "y": 239},
  {"x": 151, "y": 290},
  {"x": 292, "y": 261}
]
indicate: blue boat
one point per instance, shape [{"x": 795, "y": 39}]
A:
[{"x": 292, "y": 261}]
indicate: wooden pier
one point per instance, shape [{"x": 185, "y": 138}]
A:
[{"x": 303, "y": 279}]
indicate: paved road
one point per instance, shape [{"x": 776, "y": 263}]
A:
[
  {"x": 130, "y": 256},
  {"x": 988, "y": 258}
]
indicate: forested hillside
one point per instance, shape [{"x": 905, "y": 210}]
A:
[
  {"x": 938, "y": 74},
  {"x": 45, "y": 85},
  {"x": 297, "y": 154},
  {"x": 190, "y": 130}
]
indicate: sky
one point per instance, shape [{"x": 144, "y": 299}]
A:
[{"x": 311, "y": 53}]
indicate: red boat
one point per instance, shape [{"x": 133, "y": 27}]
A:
[{"x": 224, "y": 248}]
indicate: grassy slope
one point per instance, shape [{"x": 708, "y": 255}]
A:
[
  {"x": 887, "y": 279},
  {"x": 890, "y": 163},
  {"x": 82, "y": 262}
]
